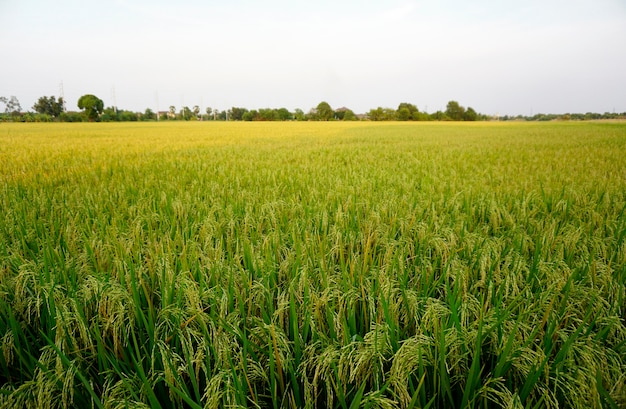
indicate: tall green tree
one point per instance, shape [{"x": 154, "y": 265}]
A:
[
  {"x": 349, "y": 115},
  {"x": 149, "y": 115},
  {"x": 250, "y": 115},
  {"x": 91, "y": 105},
  {"x": 284, "y": 114},
  {"x": 455, "y": 111},
  {"x": 376, "y": 114},
  {"x": 403, "y": 114},
  {"x": 439, "y": 116},
  {"x": 345, "y": 114},
  {"x": 267, "y": 114},
  {"x": 49, "y": 106},
  {"x": 324, "y": 111},
  {"x": 299, "y": 115},
  {"x": 470, "y": 114},
  {"x": 11, "y": 105},
  {"x": 407, "y": 112},
  {"x": 237, "y": 113},
  {"x": 186, "y": 113},
  {"x": 382, "y": 114}
]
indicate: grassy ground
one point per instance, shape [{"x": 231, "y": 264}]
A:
[{"x": 313, "y": 265}]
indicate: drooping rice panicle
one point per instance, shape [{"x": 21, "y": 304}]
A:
[{"x": 313, "y": 265}]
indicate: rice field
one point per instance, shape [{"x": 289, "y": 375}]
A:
[{"x": 315, "y": 265}]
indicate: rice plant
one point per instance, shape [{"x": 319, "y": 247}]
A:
[{"x": 313, "y": 265}]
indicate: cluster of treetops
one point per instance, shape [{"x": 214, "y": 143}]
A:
[{"x": 51, "y": 109}]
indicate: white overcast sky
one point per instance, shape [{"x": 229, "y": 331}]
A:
[{"x": 506, "y": 57}]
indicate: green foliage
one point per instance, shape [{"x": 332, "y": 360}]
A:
[
  {"x": 250, "y": 115},
  {"x": 439, "y": 116},
  {"x": 283, "y": 114},
  {"x": 455, "y": 111},
  {"x": 403, "y": 114},
  {"x": 49, "y": 106},
  {"x": 324, "y": 112},
  {"x": 237, "y": 114},
  {"x": 91, "y": 105},
  {"x": 12, "y": 108},
  {"x": 149, "y": 115},
  {"x": 263, "y": 114},
  {"x": 111, "y": 114},
  {"x": 470, "y": 115},
  {"x": 267, "y": 114},
  {"x": 344, "y": 114},
  {"x": 382, "y": 114},
  {"x": 299, "y": 115},
  {"x": 421, "y": 116},
  {"x": 50, "y": 109},
  {"x": 407, "y": 112},
  {"x": 313, "y": 265},
  {"x": 186, "y": 114},
  {"x": 127, "y": 116},
  {"x": 71, "y": 117}
]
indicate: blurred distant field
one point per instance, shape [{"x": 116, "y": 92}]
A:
[{"x": 308, "y": 264}]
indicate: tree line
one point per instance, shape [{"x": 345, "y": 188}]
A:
[
  {"x": 52, "y": 109},
  {"x": 588, "y": 116}
]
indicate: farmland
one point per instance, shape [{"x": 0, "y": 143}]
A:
[{"x": 313, "y": 265}]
